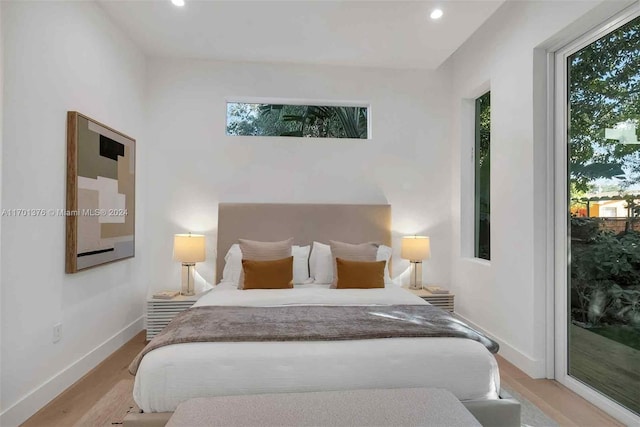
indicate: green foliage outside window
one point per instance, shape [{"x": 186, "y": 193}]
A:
[
  {"x": 307, "y": 121},
  {"x": 483, "y": 177},
  {"x": 605, "y": 275},
  {"x": 604, "y": 93},
  {"x": 604, "y": 259}
]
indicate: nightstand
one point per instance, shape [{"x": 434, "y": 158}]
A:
[
  {"x": 161, "y": 311},
  {"x": 444, "y": 301}
]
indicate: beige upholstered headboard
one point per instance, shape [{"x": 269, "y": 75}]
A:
[{"x": 304, "y": 222}]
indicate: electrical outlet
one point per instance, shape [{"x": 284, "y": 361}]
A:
[{"x": 57, "y": 332}]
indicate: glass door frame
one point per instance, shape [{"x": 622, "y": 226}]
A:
[{"x": 561, "y": 230}]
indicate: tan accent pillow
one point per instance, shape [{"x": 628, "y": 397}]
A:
[
  {"x": 360, "y": 274},
  {"x": 347, "y": 251},
  {"x": 276, "y": 274},
  {"x": 263, "y": 251}
]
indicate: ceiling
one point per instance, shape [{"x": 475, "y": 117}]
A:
[{"x": 389, "y": 34}]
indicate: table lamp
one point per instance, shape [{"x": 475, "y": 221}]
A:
[
  {"x": 416, "y": 249},
  {"x": 188, "y": 249}
]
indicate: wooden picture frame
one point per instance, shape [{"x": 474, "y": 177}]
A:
[{"x": 100, "y": 211}]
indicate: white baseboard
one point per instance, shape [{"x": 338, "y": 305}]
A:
[
  {"x": 535, "y": 368},
  {"x": 36, "y": 399}
]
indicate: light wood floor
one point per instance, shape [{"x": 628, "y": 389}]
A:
[
  {"x": 558, "y": 402},
  {"x": 70, "y": 406},
  {"x": 554, "y": 399}
]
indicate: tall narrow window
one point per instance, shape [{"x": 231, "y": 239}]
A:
[{"x": 483, "y": 177}]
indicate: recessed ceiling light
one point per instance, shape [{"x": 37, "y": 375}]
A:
[
  {"x": 436, "y": 14},
  {"x": 178, "y": 3}
]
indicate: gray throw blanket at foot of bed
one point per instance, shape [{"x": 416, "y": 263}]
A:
[{"x": 310, "y": 323}]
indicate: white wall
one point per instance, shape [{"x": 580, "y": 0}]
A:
[
  {"x": 193, "y": 165},
  {"x": 60, "y": 56},
  {"x": 506, "y": 297}
]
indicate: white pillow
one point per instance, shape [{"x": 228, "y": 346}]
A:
[
  {"x": 300, "y": 263},
  {"x": 384, "y": 254},
  {"x": 321, "y": 263},
  {"x": 233, "y": 264}
]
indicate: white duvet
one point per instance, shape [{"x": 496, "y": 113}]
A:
[{"x": 173, "y": 374}]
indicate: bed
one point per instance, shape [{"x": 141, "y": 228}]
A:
[{"x": 173, "y": 374}]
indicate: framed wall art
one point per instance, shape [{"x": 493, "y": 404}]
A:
[{"x": 100, "y": 209}]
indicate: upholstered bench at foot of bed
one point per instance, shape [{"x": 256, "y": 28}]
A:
[
  {"x": 409, "y": 406},
  {"x": 405, "y": 406},
  {"x": 503, "y": 412},
  {"x": 141, "y": 419}
]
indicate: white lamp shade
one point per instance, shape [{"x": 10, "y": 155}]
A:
[
  {"x": 188, "y": 248},
  {"x": 415, "y": 248}
]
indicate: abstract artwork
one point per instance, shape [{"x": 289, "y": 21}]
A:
[{"x": 100, "y": 194}]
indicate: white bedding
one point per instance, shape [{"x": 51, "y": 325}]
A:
[{"x": 172, "y": 374}]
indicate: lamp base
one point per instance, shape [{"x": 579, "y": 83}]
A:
[
  {"x": 416, "y": 275},
  {"x": 188, "y": 279}
]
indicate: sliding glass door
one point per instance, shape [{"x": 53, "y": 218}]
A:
[{"x": 602, "y": 210}]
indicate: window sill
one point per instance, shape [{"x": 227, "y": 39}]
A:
[{"x": 479, "y": 261}]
